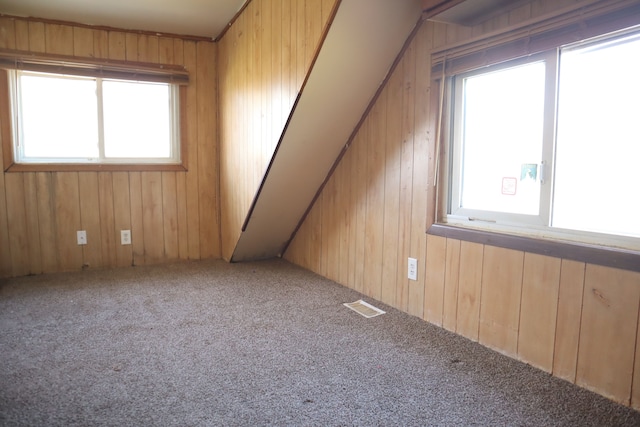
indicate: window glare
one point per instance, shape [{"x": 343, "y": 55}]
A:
[
  {"x": 136, "y": 119},
  {"x": 503, "y": 126},
  {"x": 59, "y": 117},
  {"x": 598, "y": 142}
]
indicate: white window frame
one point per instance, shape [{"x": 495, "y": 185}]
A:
[
  {"x": 520, "y": 225},
  {"x": 18, "y": 146}
]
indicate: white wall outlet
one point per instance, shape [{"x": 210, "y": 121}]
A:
[
  {"x": 412, "y": 272},
  {"x": 82, "y": 237},
  {"x": 125, "y": 237}
]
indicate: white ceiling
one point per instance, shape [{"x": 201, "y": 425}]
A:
[{"x": 205, "y": 18}]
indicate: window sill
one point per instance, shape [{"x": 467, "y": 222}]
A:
[
  {"x": 592, "y": 254},
  {"x": 82, "y": 167}
]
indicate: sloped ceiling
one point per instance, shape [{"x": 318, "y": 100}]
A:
[
  {"x": 364, "y": 39},
  {"x": 203, "y": 18}
]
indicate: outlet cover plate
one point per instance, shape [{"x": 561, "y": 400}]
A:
[
  {"x": 412, "y": 272},
  {"x": 82, "y": 237},
  {"x": 125, "y": 237}
]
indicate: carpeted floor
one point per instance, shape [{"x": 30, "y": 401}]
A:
[{"x": 267, "y": 343}]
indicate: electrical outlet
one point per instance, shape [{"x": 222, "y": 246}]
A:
[
  {"x": 412, "y": 272},
  {"x": 82, "y": 237},
  {"x": 125, "y": 237}
]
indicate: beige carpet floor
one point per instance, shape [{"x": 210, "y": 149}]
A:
[{"x": 267, "y": 343}]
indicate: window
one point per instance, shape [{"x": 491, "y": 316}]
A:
[
  {"x": 80, "y": 119},
  {"x": 549, "y": 145}
]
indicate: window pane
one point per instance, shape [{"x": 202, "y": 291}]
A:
[
  {"x": 59, "y": 116},
  {"x": 503, "y": 137},
  {"x": 136, "y": 119},
  {"x": 598, "y": 142}
]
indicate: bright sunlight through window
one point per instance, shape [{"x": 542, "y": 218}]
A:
[
  {"x": 551, "y": 143},
  {"x": 73, "y": 119}
]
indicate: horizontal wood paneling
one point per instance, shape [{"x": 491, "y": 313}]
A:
[
  {"x": 264, "y": 58},
  {"x": 578, "y": 321},
  {"x": 40, "y": 212}
]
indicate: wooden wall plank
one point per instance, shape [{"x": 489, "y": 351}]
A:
[
  {"x": 451, "y": 284},
  {"x": 406, "y": 174},
  {"x": 469, "y": 289},
  {"x": 90, "y": 218},
  {"x": 538, "y": 310},
  {"x": 47, "y": 222},
  {"x": 207, "y": 152},
  {"x": 17, "y": 224},
  {"x": 67, "y": 208},
  {"x": 152, "y": 219},
  {"x": 391, "y": 209},
  {"x": 107, "y": 219},
  {"x": 608, "y": 332},
  {"x": 421, "y": 149},
  {"x": 22, "y": 34},
  {"x": 193, "y": 208},
  {"x": 36, "y": 37},
  {"x": 500, "y": 299},
  {"x": 376, "y": 123},
  {"x": 32, "y": 223},
  {"x": 122, "y": 210},
  {"x": 170, "y": 214},
  {"x": 360, "y": 188},
  {"x": 434, "y": 282},
  {"x": 137, "y": 223},
  {"x": 570, "y": 297}
]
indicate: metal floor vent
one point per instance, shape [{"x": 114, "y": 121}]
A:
[{"x": 363, "y": 308}]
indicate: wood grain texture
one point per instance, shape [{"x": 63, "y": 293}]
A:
[
  {"x": 451, "y": 285},
  {"x": 434, "y": 282},
  {"x": 571, "y": 288},
  {"x": 500, "y": 299},
  {"x": 538, "y": 310},
  {"x": 263, "y": 60},
  {"x": 49, "y": 207},
  {"x": 496, "y": 288},
  {"x": 608, "y": 332},
  {"x": 469, "y": 290}
]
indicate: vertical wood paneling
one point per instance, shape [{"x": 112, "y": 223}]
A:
[
  {"x": 360, "y": 188},
  {"x": 538, "y": 310},
  {"x": 47, "y": 208},
  {"x": 107, "y": 221},
  {"x": 207, "y": 152},
  {"x": 263, "y": 60},
  {"x": 391, "y": 208},
  {"x": 570, "y": 292},
  {"x": 152, "y": 219},
  {"x": 122, "y": 217},
  {"x": 469, "y": 289},
  {"x": 374, "y": 219},
  {"x": 500, "y": 299},
  {"x": 17, "y": 224},
  {"x": 434, "y": 283},
  {"x": 523, "y": 305},
  {"x": 423, "y": 44},
  {"x": 193, "y": 204},
  {"x": 451, "y": 284},
  {"x": 90, "y": 218},
  {"x": 406, "y": 176},
  {"x": 67, "y": 208},
  {"x": 608, "y": 331},
  {"x": 47, "y": 222}
]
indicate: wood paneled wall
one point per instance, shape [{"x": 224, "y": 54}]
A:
[
  {"x": 575, "y": 320},
  {"x": 263, "y": 60},
  {"x": 171, "y": 215}
]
